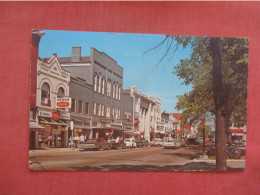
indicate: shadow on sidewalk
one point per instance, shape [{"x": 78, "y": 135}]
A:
[{"x": 193, "y": 166}]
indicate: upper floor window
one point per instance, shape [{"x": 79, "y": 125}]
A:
[
  {"x": 103, "y": 86},
  {"x": 95, "y": 109},
  {"x": 87, "y": 108},
  {"x": 114, "y": 90},
  {"x": 108, "y": 111},
  {"x": 119, "y": 93},
  {"x": 99, "y": 84},
  {"x": 103, "y": 110},
  {"x": 61, "y": 93},
  {"x": 45, "y": 95},
  {"x": 73, "y": 105},
  {"x": 95, "y": 82},
  {"x": 109, "y": 88},
  {"x": 80, "y": 106}
]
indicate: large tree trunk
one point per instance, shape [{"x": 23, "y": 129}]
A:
[{"x": 220, "y": 112}]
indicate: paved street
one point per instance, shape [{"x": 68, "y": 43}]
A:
[{"x": 136, "y": 159}]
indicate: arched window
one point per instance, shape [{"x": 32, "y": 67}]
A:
[
  {"x": 103, "y": 86},
  {"x": 61, "y": 93},
  {"x": 95, "y": 82},
  {"x": 45, "y": 95},
  {"x": 109, "y": 88},
  {"x": 95, "y": 109},
  {"x": 99, "y": 84},
  {"x": 119, "y": 93},
  {"x": 114, "y": 90}
]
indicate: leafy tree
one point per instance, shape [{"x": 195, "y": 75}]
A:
[{"x": 217, "y": 71}]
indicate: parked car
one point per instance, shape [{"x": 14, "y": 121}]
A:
[
  {"x": 130, "y": 143},
  {"x": 156, "y": 142},
  {"x": 199, "y": 141},
  {"x": 95, "y": 144},
  {"x": 141, "y": 143},
  {"x": 116, "y": 144},
  {"x": 172, "y": 143}
]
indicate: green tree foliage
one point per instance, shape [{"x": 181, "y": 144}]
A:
[
  {"x": 217, "y": 71},
  {"x": 197, "y": 71}
]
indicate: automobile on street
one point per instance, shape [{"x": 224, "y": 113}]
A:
[
  {"x": 130, "y": 143},
  {"x": 172, "y": 144},
  {"x": 95, "y": 144}
]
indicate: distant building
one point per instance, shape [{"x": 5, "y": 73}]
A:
[{"x": 143, "y": 113}]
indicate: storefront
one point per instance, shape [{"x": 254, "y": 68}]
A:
[
  {"x": 56, "y": 125},
  {"x": 81, "y": 125},
  {"x": 35, "y": 131},
  {"x": 128, "y": 130}
]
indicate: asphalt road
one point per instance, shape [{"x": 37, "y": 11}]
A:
[{"x": 134, "y": 159}]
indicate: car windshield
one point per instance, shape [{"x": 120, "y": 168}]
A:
[{"x": 127, "y": 140}]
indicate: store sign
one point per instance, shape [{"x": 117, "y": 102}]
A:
[
  {"x": 65, "y": 116},
  {"x": 55, "y": 116},
  {"x": 45, "y": 114},
  {"x": 63, "y": 102}
]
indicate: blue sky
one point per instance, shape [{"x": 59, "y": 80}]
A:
[{"x": 128, "y": 50}]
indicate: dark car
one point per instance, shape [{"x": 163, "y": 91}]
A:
[
  {"x": 95, "y": 144},
  {"x": 141, "y": 143},
  {"x": 116, "y": 144}
]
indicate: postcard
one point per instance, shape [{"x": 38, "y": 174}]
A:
[{"x": 137, "y": 102}]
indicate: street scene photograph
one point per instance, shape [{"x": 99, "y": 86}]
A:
[{"x": 103, "y": 101}]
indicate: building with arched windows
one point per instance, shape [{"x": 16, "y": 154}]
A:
[
  {"x": 52, "y": 84},
  {"x": 106, "y": 78}
]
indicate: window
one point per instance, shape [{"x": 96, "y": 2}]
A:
[
  {"x": 80, "y": 106},
  {"x": 113, "y": 113},
  {"x": 95, "y": 83},
  {"x": 108, "y": 111},
  {"x": 119, "y": 93},
  {"x": 114, "y": 90},
  {"x": 98, "y": 109},
  {"x": 86, "y": 108},
  {"x": 73, "y": 105},
  {"x": 103, "y": 86},
  {"x": 109, "y": 88},
  {"x": 99, "y": 84},
  {"x": 95, "y": 109},
  {"x": 61, "y": 93},
  {"x": 45, "y": 95},
  {"x": 103, "y": 110}
]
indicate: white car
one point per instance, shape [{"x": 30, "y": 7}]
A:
[
  {"x": 171, "y": 143},
  {"x": 156, "y": 142},
  {"x": 130, "y": 143}
]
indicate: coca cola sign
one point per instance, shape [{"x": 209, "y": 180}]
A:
[
  {"x": 63, "y": 102},
  {"x": 55, "y": 116}
]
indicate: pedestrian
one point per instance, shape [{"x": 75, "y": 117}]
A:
[{"x": 81, "y": 139}]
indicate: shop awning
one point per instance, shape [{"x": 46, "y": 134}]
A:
[
  {"x": 35, "y": 126},
  {"x": 236, "y": 130},
  {"x": 52, "y": 121}
]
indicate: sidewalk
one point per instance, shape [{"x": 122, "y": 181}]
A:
[{"x": 52, "y": 151}]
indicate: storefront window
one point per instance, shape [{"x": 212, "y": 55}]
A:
[{"x": 45, "y": 95}]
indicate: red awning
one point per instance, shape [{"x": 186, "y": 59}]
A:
[
  {"x": 236, "y": 130},
  {"x": 136, "y": 121}
]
